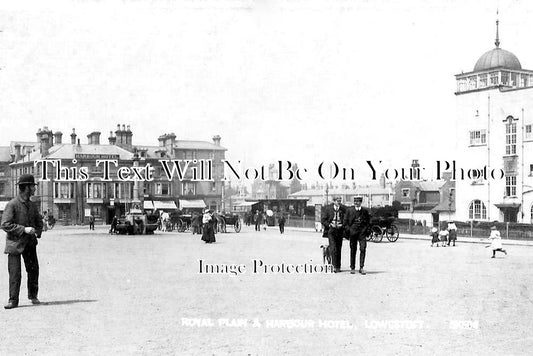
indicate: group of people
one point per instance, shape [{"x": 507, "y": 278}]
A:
[
  {"x": 446, "y": 235},
  {"x": 353, "y": 222}
]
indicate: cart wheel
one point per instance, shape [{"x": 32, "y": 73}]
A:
[
  {"x": 376, "y": 233},
  {"x": 393, "y": 233},
  {"x": 237, "y": 225}
]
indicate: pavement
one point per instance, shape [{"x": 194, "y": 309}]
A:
[{"x": 262, "y": 293}]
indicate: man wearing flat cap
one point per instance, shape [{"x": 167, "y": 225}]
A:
[
  {"x": 356, "y": 221},
  {"x": 23, "y": 224},
  {"x": 333, "y": 229}
]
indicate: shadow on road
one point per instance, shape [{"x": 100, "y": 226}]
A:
[{"x": 61, "y": 302}]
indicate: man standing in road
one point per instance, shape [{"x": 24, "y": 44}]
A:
[
  {"x": 91, "y": 222},
  {"x": 281, "y": 222},
  {"x": 23, "y": 225},
  {"x": 356, "y": 221},
  {"x": 333, "y": 229}
]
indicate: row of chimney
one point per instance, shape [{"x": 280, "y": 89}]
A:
[{"x": 123, "y": 137}]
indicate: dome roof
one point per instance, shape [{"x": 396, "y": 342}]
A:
[{"x": 497, "y": 57}]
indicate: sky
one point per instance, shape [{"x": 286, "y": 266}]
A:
[{"x": 293, "y": 80}]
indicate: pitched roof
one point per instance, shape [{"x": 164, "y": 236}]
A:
[
  {"x": 431, "y": 185},
  {"x": 197, "y": 145}
]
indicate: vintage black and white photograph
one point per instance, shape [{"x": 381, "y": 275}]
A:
[{"x": 266, "y": 177}]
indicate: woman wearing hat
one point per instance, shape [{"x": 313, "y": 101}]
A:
[
  {"x": 208, "y": 221},
  {"x": 23, "y": 224}
]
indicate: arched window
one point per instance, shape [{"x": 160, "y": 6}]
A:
[{"x": 477, "y": 210}]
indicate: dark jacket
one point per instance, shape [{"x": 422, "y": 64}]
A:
[
  {"x": 329, "y": 215},
  {"x": 357, "y": 222},
  {"x": 19, "y": 214}
]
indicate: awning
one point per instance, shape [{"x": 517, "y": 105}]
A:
[
  {"x": 508, "y": 205},
  {"x": 148, "y": 204},
  {"x": 246, "y": 203},
  {"x": 194, "y": 203},
  {"x": 3, "y": 205},
  {"x": 165, "y": 205}
]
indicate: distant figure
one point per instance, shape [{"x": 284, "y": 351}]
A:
[
  {"x": 114, "y": 223},
  {"x": 195, "y": 223},
  {"x": 208, "y": 222},
  {"x": 443, "y": 236},
  {"x": 257, "y": 220},
  {"x": 91, "y": 222},
  {"x": 264, "y": 221},
  {"x": 434, "y": 236},
  {"x": 281, "y": 222},
  {"x": 45, "y": 221},
  {"x": 496, "y": 243},
  {"x": 452, "y": 229}
]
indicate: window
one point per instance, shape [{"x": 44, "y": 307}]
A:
[
  {"x": 64, "y": 190},
  {"x": 477, "y": 210},
  {"x": 482, "y": 80},
  {"x": 162, "y": 188},
  {"x": 406, "y": 207},
  {"x": 472, "y": 82},
  {"x": 121, "y": 191},
  {"x": 513, "y": 79},
  {"x": 95, "y": 190},
  {"x": 510, "y": 138},
  {"x": 189, "y": 188},
  {"x": 190, "y": 155},
  {"x": 532, "y": 214},
  {"x": 405, "y": 192},
  {"x": 2, "y": 188},
  {"x": 524, "y": 80},
  {"x": 494, "y": 78},
  {"x": 531, "y": 169},
  {"x": 478, "y": 137},
  {"x": 461, "y": 85},
  {"x": 510, "y": 186},
  {"x": 528, "y": 133},
  {"x": 505, "y": 78},
  {"x": 96, "y": 211}
]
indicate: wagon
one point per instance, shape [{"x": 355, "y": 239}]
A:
[
  {"x": 383, "y": 226},
  {"x": 223, "y": 220},
  {"x": 136, "y": 223}
]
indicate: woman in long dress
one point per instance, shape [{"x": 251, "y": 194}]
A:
[{"x": 208, "y": 222}]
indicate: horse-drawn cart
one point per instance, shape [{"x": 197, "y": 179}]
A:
[
  {"x": 228, "y": 219},
  {"x": 383, "y": 226}
]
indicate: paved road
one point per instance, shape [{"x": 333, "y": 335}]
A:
[{"x": 144, "y": 295}]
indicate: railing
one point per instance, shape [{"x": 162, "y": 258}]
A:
[{"x": 507, "y": 230}]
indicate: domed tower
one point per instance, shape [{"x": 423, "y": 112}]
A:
[
  {"x": 495, "y": 68},
  {"x": 494, "y": 133}
]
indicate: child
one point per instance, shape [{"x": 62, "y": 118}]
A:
[
  {"x": 452, "y": 229},
  {"x": 496, "y": 243},
  {"x": 434, "y": 236},
  {"x": 443, "y": 234}
]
